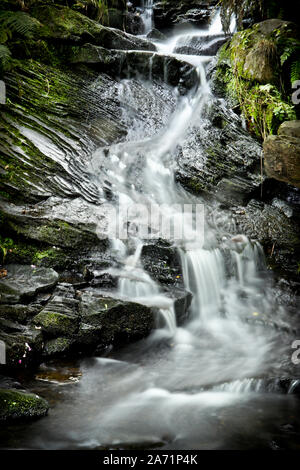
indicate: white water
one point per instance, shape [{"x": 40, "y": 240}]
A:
[{"x": 147, "y": 15}]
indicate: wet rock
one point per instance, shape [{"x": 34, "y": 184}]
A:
[
  {"x": 22, "y": 348},
  {"x": 219, "y": 157},
  {"x": 282, "y": 154},
  {"x": 162, "y": 262},
  {"x": 170, "y": 12},
  {"x": 114, "y": 320},
  {"x": 18, "y": 312},
  {"x": 58, "y": 222},
  {"x": 278, "y": 233},
  {"x": 57, "y": 346},
  {"x": 156, "y": 34},
  {"x": 24, "y": 282},
  {"x": 200, "y": 45},
  {"x": 60, "y": 315},
  {"x": 21, "y": 405},
  {"x": 47, "y": 137},
  {"x": 182, "y": 302},
  {"x": 62, "y": 24},
  {"x": 135, "y": 63},
  {"x": 134, "y": 23},
  {"x": 9, "y": 382}
]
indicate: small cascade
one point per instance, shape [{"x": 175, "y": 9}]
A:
[
  {"x": 204, "y": 277},
  {"x": 147, "y": 15},
  {"x": 136, "y": 285},
  {"x": 241, "y": 386}
]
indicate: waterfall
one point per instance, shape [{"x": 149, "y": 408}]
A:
[
  {"x": 147, "y": 15},
  {"x": 200, "y": 384}
]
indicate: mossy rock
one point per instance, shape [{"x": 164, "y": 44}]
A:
[
  {"x": 19, "y": 405},
  {"x": 57, "y": 346},
  {"x": 252, "y": 69},
  {"x": 63, "y": 24},
  {"x": 56, "y": 324}
]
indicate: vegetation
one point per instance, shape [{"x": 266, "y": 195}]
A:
[
  {"x": 256, "y": 10},
  {"x": 257, "y": 71}
]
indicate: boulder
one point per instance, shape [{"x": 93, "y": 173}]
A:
[
  {"x": 23, "y": 347},
  {"x": 21, "y": 405},
  {"x": 60, "y": 315},
  {"x": 59, "y": 23},
  {"x": 282, "y": 154},
  {"x": 200, "y": 45},
  {"x": 167, "y": 13},
  {"x": 138, "y": 64},
  {"x": 162, "y": 262},
  {"x": 111, "y": 319},
  {"x": 24, "y": 282},
  {"x": 220, "y": 157}
]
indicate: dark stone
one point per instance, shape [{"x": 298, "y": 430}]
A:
[
  {"x": 162, "y": 262},
  {"x": 21, "y": 405},
  {"x": 24, "y": 282}
]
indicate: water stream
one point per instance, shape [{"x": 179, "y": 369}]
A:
[{"x": 206, "y": 384}]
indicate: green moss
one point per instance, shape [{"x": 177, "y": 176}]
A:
[
  {"x": 265, "y": 106},
  {"x": 55, "y": 323},
  {"x": 20, "y": 405}
]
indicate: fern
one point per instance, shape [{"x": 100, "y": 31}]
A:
[
  {"x": 5, "y": 57},
  {"x": 295, "y": 71},
  {"x": 19, "y": 22}
]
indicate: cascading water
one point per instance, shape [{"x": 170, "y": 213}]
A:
[
  {"x": 147, "y": 15},
  {"x": 192, "y": 386}
]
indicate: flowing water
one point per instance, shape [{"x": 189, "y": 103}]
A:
[
  {"x": 210, "y": 383},
  {"x": 147, "y": 15}
]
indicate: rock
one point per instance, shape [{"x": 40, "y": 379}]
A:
[
  {"x": 62, "y": 24},
  {"x": 200, "y": 45},
  {"x": 57, "y": 347},
  {"x": 22, "y": 348},
  {"x": 282, "y": 154},
  {"x": 278, "y": 234},
  {"x": 182, "y": 302},
  {"x": 58, "y": 221},
  {"x": 261, "y": 63},
  {"x": 18, "y": 312},
  {"x": 23, "y": 282},
  {"x": 136, "y": 63},
  {"x": 60, "y": 315},
  {"x": 115, "y": 320},
  {"x": 50, "y": 191},
  {"x": 162, "y": 262},
  {"x": 281, "y": 27},
  {"x": 290, "y": 129},
  {"x": 156, "y": 34},
  {"x": 134, "y": 24},
  {"x": 170, "y": 12},
  {"x": 219, "y": 157},
  {"x": 21, "y": 405}
]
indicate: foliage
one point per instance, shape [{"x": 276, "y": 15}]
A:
[
  {"x": 239, "y": 8},
  {"x": 5, "y": 57},
  {"x": 265, "y": 106},
  {"x": 100, "y": 8},
  {"x": 6, "y": 244},
  {"x": 14, "y": 23}
]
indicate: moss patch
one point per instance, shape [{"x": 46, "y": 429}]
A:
[{"x": 16, "y": 405}]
